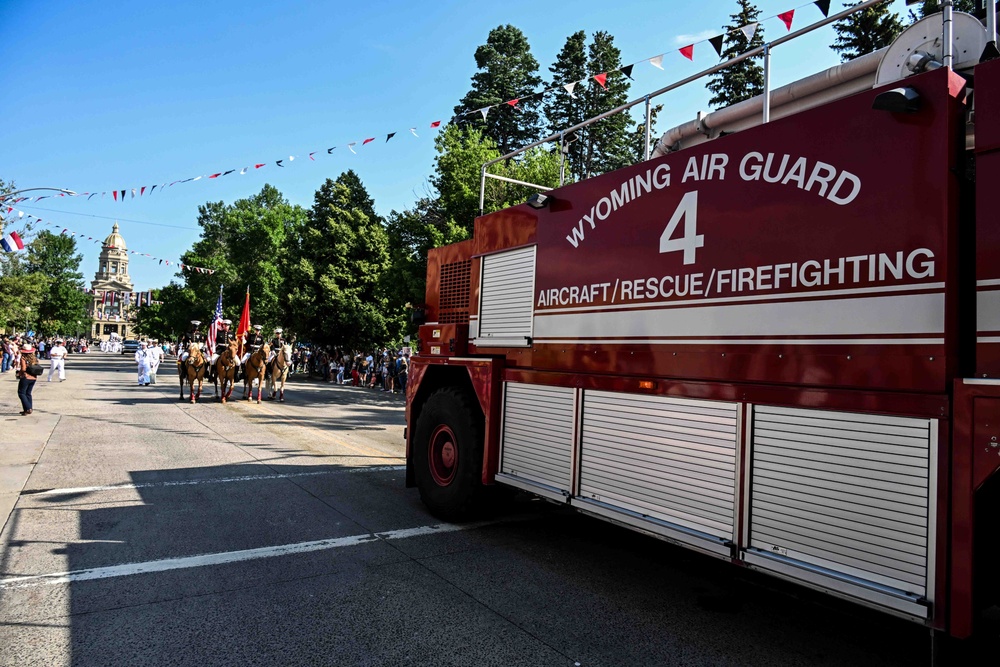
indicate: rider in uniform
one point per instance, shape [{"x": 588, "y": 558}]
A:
[
  {"x": 222, "y": 339},
  {"x": 276, "y": 344},
  {"x": 255, "y": 341},
  {"x": 192, "y": 336}
]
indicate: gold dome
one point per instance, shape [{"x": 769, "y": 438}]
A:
[{"x": 115, "y": 240}]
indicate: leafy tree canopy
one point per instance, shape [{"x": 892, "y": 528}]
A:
[{"x": 53, "y": 258}]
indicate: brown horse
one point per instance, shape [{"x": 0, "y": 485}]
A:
[
  {"x": 225, "y": 371},
  {"x": 278, "y": 372},
  {"x": 193, "y": 368},
  {"x": 255, "y": 369}
]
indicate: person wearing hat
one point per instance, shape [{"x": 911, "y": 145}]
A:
[
  {"x": 223, "y": 337},
  {"x": 58, "y": 357},
  {"x": 255, "y": 340},
  {"x": 142, "y": 359},
  {"x": 192, "y": 336},
  {"x": 27, "y": 361},
  {"x": 276, "y": 344},
  {"x": 155, "y": 355}
]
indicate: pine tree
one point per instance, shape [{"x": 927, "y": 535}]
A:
[
  {"x": 745, "y": 79},
  {"x": 928, "y": 7},
  {"x": 564, "y": 109},
  {"x": 866, "y": 31},
  {"x": 604, "y": 146},
  {"x": 507, "y": 70}
]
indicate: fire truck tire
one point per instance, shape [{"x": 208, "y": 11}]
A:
[{"x": 448, "y": 455}]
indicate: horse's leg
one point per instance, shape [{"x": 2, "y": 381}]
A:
[{"x": 180, "y": 376}]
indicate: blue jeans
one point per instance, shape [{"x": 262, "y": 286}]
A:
[
  {"x": 6, "y": 362},
  {"x": 24, "y": 388}
]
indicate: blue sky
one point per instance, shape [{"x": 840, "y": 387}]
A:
[{"x": 115, "y": 95}]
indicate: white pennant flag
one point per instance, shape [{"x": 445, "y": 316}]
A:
[
  {"x": 749, "y": 31},
  {"x": 197, "y": 178},
  {"x": 243, "y": 170},
  {"x": 413, "y": 131},
  {"x": 351, "y": 147},
  {"x": 484, "y": 111},
  {"x": 291, "y": 158},
  {"x": 20, "y": 214},
  {"x": 657, "y": 61},
  {"x": 569, "y": 89}
]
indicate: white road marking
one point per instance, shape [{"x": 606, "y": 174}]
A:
[
  {"x": 190, "y": 482},
  {"x": 223, "y": 558}
]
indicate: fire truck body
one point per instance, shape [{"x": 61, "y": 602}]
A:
[{"x": 763, "y": 347}]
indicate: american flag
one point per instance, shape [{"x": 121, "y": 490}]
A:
[{"x": 216, "y": 323}]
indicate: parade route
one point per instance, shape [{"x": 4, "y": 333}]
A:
[{"x": 147, "y": 531}]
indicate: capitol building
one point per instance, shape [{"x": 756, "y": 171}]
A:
[{"x": 108, "y": 312}]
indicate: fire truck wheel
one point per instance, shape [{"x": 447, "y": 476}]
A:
[{"x": 448, "y": 454}]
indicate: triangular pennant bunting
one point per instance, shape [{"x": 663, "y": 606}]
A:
[
  {"x": 824, "y": 6},
  {"x": 786, "y": 18},
  {"x": 716, "y": 43},
  {"x": 484, "y": 111},
  {"x": 657, "y": 61},
  {"x": 569, "y": 89},
  {"x": 687, "y": 51},
  {"x": 627, "y": 71},
  {"x": 368, "y": 141},
  {"x": 389, "y": 136},
  {"x": 749, "y": 30},
  {"x": 513, "y": 102},
  {"x": 602, "y": 79}
]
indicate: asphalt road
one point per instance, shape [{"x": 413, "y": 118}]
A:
[{"x": 154, "y": 532}]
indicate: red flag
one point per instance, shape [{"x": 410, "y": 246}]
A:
[
  {"x": 216, "y": 175},
  {"x": 688, "y": 51},
  {"x": 367, "y": 141},
  {"x": 114, "y": 193},
  {"x": 141, "y": 191},
  {"x": 244, "y": 326},
  {"x": 258, "y": 166},
  {"x": 602, "y": 78},
  {"x": 513, "y": 102},
  {"x": 436, "y": 123},
  {"x": 786, "y": 18}
]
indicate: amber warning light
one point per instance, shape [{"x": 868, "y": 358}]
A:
[{"x": 647, "y": 384}]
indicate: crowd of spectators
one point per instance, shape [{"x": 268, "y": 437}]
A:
[
  {"x": 381, "y": 369},
  {"x": 10, "y": 347}
]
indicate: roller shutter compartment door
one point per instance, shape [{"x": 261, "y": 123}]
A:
[
  {"x": 667, "y": 458},
  {"x": 845, "y": 492},
  {"x": 506, "y": 307},
  {"x": 538, "y": 430}
]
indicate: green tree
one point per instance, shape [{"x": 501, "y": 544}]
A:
[
  {"x": 603, "y": 146},
  {"x": 866, "y": 31},
  {"x": 411, "y": 234},
  {"x": 168, "y": 320},
  {"x": 745, "y": 79},
  {"x": 53, "y": 260},
  {"x": 461, "y": 154},
  {"x": 245, "y": 243},
  {"x": 928, "y": 7},
  {"x": 334, "y": 278},
  {"x": 507, "y": 70}
]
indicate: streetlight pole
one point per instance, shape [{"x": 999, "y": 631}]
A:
[{"x": 9, "y": 195}]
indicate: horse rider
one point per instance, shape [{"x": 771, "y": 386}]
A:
[
  {"x": 222, "y": 339},
  {"x": 276, "y": 344},
  {"x": 192, "y": 336},
  {"x": 254, "y": 341}
]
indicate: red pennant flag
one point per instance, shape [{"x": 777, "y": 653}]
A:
[
  {"x": 141, "y": 191},
  {"x": 786, "y": 18},
  {"x": 513, "y": 102},
  {"x": 114, "y": 193},
  {"x": 258, "y": 166},
  {"x": 602, "y": 79},
  {"x": 367, "y": 141},
  {"x": 216, "y": 175},
  {"x": 436, "y": 123},
  {"x": 688, "y": 52}
]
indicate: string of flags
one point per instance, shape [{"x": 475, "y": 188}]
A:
[
  {"x": 123, "y": 300},
  {"x": 717, "y": 42},
  {"x": 18, "y": 244}
]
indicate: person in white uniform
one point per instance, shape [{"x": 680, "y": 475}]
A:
[
  {"x": 142, "y": 359},
  {"x": 155, "y": 355},
  {"x": 58, "y": 360}
]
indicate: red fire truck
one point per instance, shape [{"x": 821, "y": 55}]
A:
[{"x": 775, "y": 343}]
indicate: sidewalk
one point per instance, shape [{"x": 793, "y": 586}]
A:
[{"x": 22, "y": 439}]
